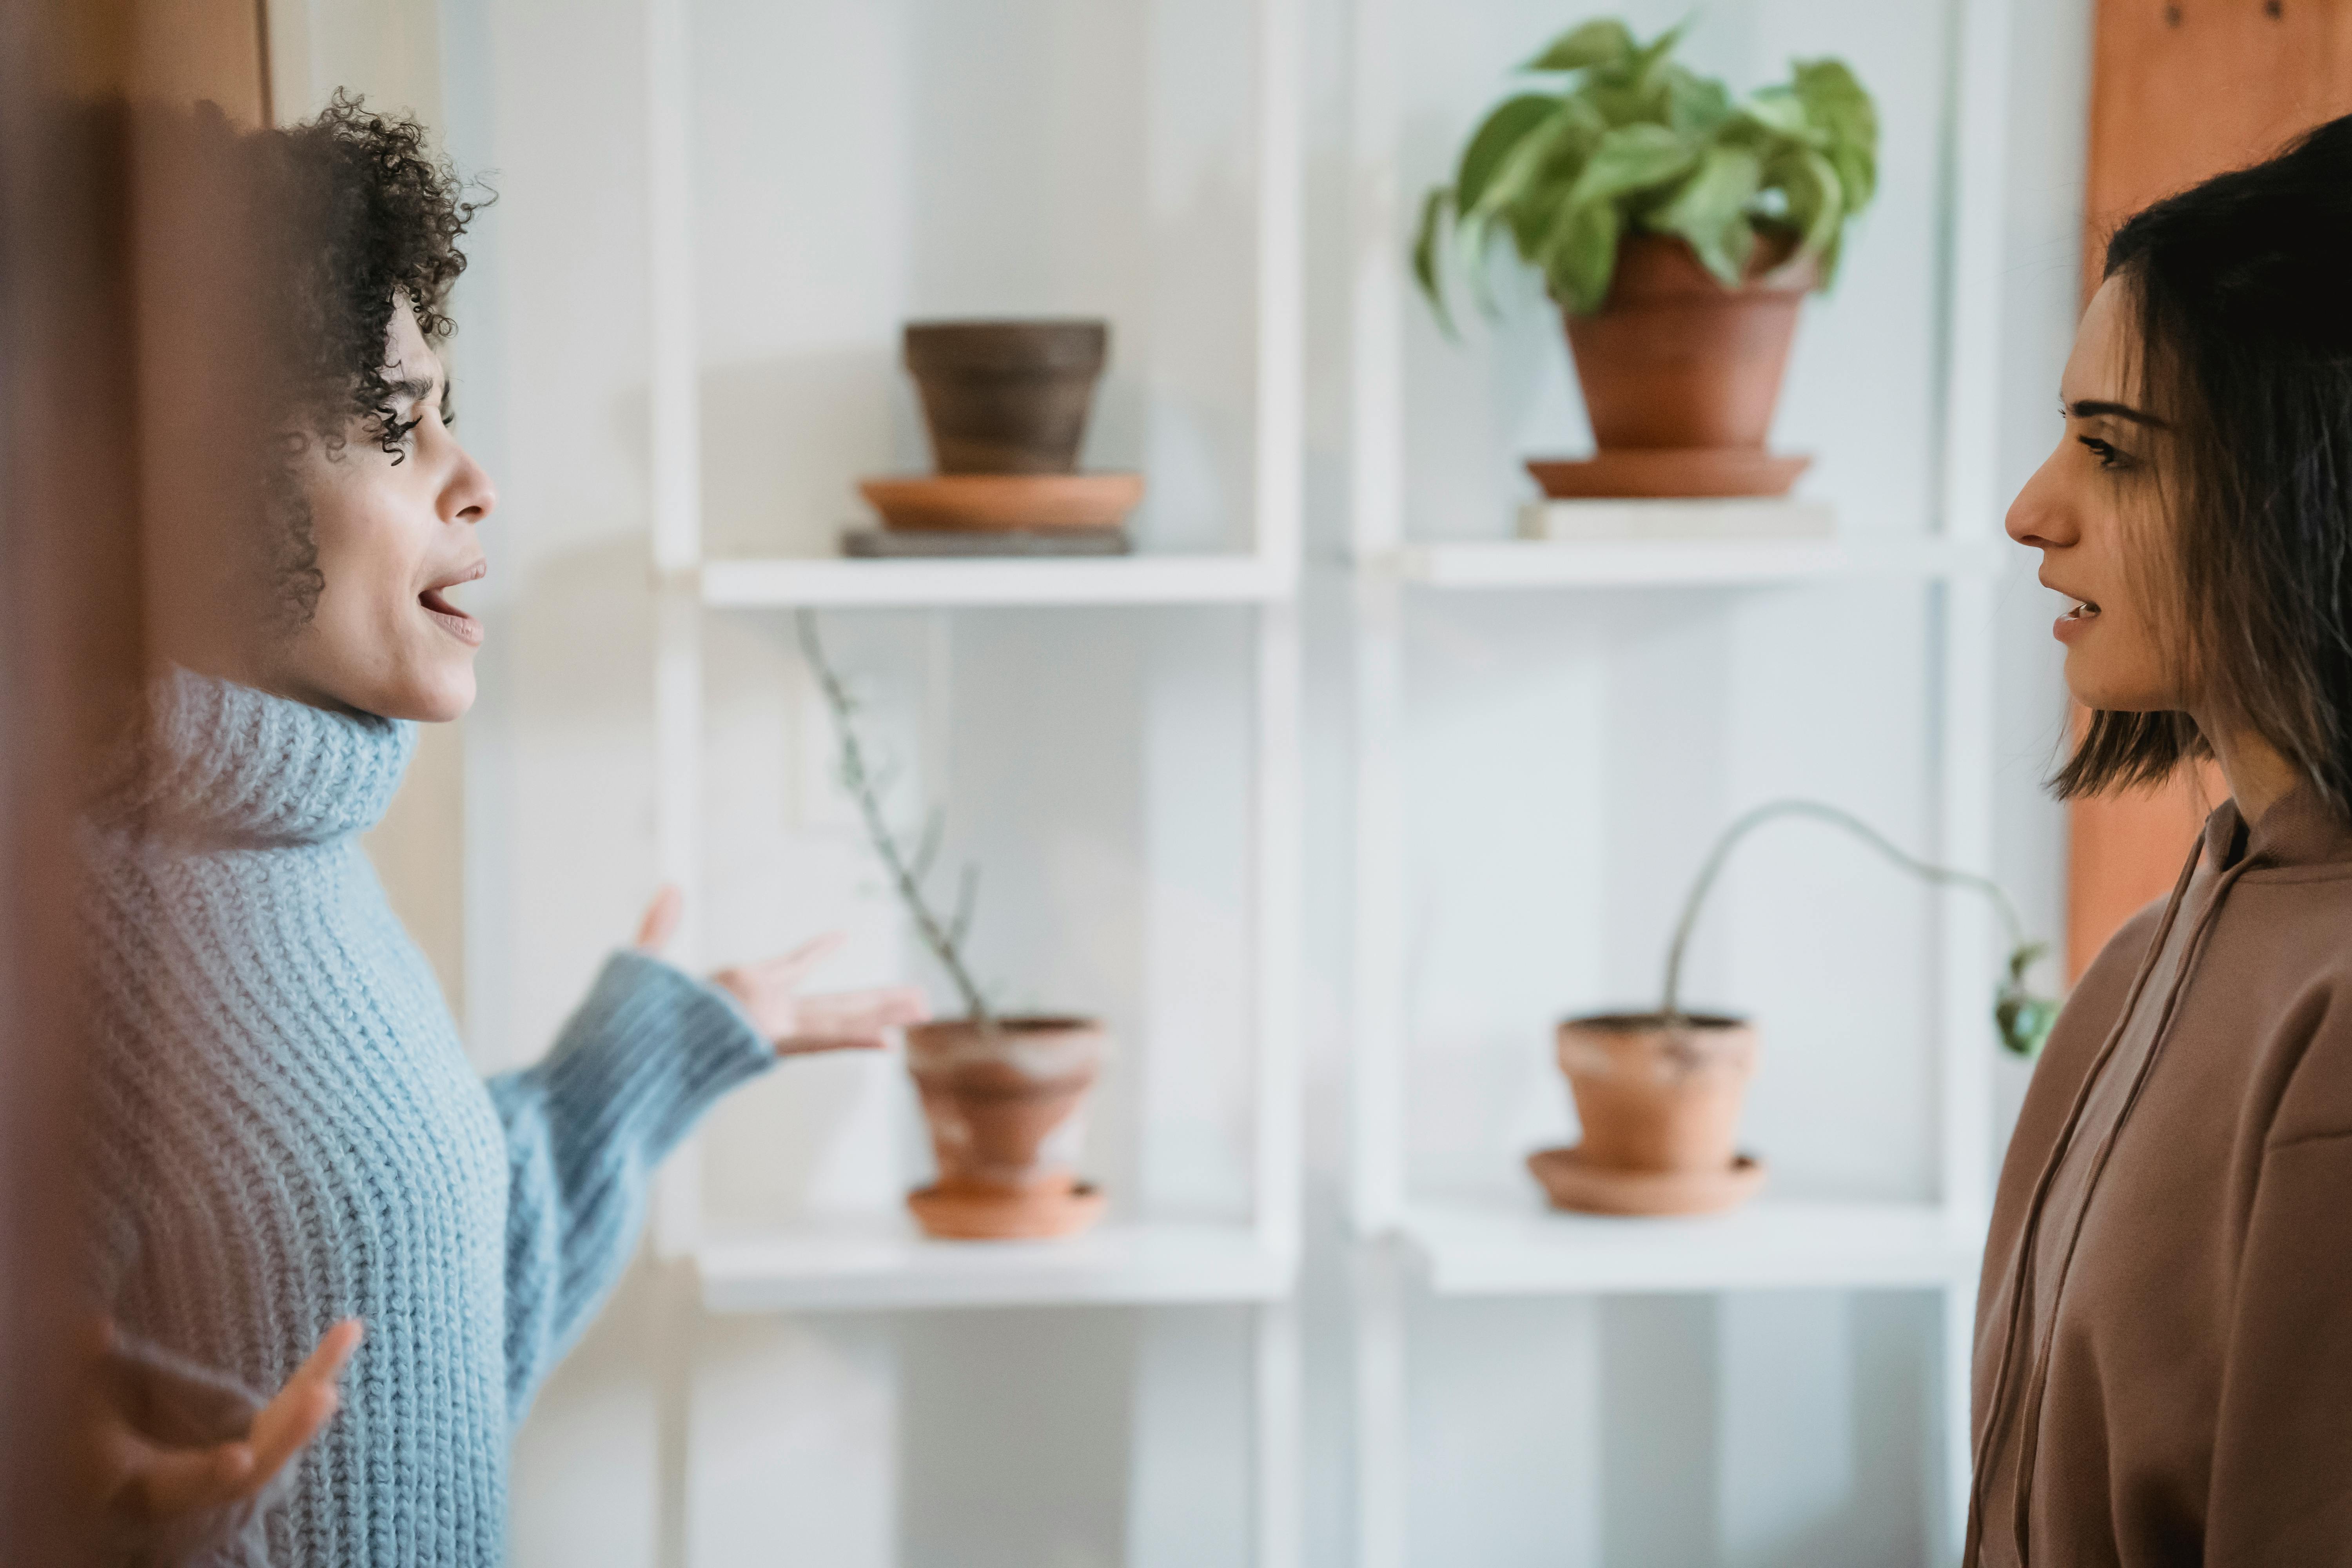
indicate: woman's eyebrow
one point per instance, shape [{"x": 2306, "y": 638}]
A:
[
  {"x": 2094, "y": 408},
  {"x": 414, "y": 386}
]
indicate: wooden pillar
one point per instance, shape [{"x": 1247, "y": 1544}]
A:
[{"x": 81, "y": 257}]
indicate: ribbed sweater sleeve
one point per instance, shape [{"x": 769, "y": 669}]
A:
[{"x": 643, "y": 1056}]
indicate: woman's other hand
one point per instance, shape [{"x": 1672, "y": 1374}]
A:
[
  {"x": 769, "y": 992},
  {"x": 141, "y": 1479}
]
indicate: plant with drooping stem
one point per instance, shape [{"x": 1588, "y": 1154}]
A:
[
  {"x": 909, "y": 872},
  {"x": 2023, "y": 1019}
]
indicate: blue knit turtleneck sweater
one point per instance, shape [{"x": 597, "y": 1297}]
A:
[{"x": 289, "y": 1132}]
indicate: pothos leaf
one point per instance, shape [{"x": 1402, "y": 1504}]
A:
[
  {"x": 1709, "y": 209},
  {"x": 1620, "y": 99},
  {"x": 1602, "y": 42},
  {"x": 1695, "y": 105},
  {"x": 1434, "y": 210},
  {"x": 1579, "y": 255},
  {"x": 1513, "y": 119},
  {"x": 1838, "y": 104},
  {"x": 1781, "y": 112},
  {"x": 1815, "y": 204},
  {"x": 1650, "y": 59},
  {"x": 1633, "y": 158},
  {"x": 1552, "y": 153}
]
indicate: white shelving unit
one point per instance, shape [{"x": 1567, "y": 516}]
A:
[
  {"x": 1516, "y": 1248},
  {"x": 882, "y": 1263},
  {"x": 875, "y": 1267},
  {"x": 1526, "y": 1250},
  {"x": 783, "y": 583},
  {"x": 1675, "y": 562}
]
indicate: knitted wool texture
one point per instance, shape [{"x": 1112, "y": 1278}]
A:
[{"x": 286, "y": 1132}]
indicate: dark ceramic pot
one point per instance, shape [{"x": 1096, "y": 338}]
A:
[{"x": 1006, "y": 398}]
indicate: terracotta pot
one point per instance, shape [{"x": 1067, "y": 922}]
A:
[
  {"x": 1655, "y": 1095},
  {"x": 1674, "y": 359},
  {"x": 1006, "y": 398},
  {"x": 1005, "y": 1108}
]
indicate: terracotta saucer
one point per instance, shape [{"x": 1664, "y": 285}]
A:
[
  {"x": 1004, "y": 504},
  {"x": 1668, "y": 471},
  {"x": 1574, "y": 1183},
  {"x": 1041, "y": 1212}
]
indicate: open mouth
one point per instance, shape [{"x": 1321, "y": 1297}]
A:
[
  {"x": 2082, "y": 610},
  {"x": 447, "y": 614}
]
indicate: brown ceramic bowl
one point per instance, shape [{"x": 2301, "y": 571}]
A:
[{"x": 1003, "y": 503}]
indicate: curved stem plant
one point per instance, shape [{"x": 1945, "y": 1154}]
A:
[{"x": 2023, "y": 1018}]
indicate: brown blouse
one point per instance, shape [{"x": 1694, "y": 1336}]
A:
[{"x": 2164, "y": 1332}]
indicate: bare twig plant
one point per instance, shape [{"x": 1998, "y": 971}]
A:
[{"x": 909, "y": 871}]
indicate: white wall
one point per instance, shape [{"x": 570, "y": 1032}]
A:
[
  {"x": 863, "y": 161},
  {"x": 388, "y": 53}
]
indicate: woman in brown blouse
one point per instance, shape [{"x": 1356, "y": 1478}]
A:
[{"x": 2164, "y": 1334}]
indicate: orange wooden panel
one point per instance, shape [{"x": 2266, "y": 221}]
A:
[
  {"x": 2180, "y": 91},
  {"x": 188, "y": 50}
]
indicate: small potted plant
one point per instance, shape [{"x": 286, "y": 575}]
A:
[
  {"x": 1658, "y": 1094},
  {"x": 1003, "y": 1096},
  {"x": 1678, "y": 228},
  {"x": 1005, "y": 403}
]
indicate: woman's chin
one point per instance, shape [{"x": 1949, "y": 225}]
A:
[
  {"x": 436, "y": 697},
  {"x": 447, "y": 702},
  {"x": 2106, "y": 696}
]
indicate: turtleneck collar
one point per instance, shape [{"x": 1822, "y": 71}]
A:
[{"x": 228, "y": 763}]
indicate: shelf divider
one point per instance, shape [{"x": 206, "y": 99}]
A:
[
  {"x": 881, "y": 1262},
  {"x": 784, "y": 583},
  {"x": 1505, "y": 1248}
]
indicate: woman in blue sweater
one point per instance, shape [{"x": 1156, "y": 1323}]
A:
[{"x": 294, "y": 1166}]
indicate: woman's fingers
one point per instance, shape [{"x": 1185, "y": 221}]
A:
[
  {"x": 304, "y": 1405},
  {"x": 852, "y": 1020},
  {"x": 816, "y": 1044},
  {"x": 794, "y": 967},
  {"x": 661, "y": 919},
  {"x": 863, "y": 1011},
  {"x": 147, "y": 1479},
  {"x": 159, "y": 1483},
  {"x": 769, "y": 992}
]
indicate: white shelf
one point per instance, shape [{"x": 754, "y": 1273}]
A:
[
  {"x": 785, "y": 583},
  {"x": 865, "y": 1265},
  {"x": 1501, "y": 1249},
  {"x": 1666, "y": 562}
]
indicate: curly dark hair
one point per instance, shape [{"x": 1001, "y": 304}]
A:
[{"x": 359, "y": 219}]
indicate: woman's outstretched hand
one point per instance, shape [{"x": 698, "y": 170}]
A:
[
  {"x": 769, "y": 992},
  {"x": 141, "y": 1479}
]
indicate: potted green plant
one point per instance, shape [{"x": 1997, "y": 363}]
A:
[
  {"x": 1003, "y": 1096},
  {"x": 1658, "y": 1094},
  {"x": 1678, "y": 228}
]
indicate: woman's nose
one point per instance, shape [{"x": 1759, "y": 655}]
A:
[
  {"x": 2038, "y": 517},
  {"x": 470, "y": 496}
]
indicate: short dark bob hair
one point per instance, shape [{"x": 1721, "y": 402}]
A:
[{"x": 2245, "y": 346}]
